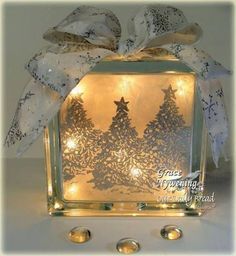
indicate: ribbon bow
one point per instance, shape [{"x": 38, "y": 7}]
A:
[{"x": 88, "y": 35}]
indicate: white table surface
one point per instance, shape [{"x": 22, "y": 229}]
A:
[{"x": 28, "y": 229}]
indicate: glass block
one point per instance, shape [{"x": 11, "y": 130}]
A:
[{"x": 129, "y": 140}]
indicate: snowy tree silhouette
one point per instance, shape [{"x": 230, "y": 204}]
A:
[
  {"x": 123, "y": 160},
  {"x": 79, "y": 140},
  {"x": 166, "y": 136}
]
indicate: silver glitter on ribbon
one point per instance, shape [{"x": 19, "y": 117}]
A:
[{"x": 88, "y": 35}]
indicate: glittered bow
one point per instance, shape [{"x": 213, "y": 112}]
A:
[{"x": 90, "y": 34}]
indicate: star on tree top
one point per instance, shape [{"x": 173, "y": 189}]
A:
[
  {"x": 122, "y": 105},
  {"x": 169, "y": 92}
]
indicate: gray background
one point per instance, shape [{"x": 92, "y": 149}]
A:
[
  {"x": 24, "y": 24},
  {"x": 27, "y": 228}
]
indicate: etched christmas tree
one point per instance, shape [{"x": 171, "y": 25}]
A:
[
  {"x": 165, "y": 135},
  {"x": 123, "y": 160},
  {"x": 79, "y": 140}
]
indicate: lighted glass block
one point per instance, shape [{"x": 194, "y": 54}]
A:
[{"x": 129, "y": 140}]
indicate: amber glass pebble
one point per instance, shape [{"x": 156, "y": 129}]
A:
[
  {"x": 79, "y": 235},
  {"x": 127, "y": 246},
  {"x": 171, "y": 232}
]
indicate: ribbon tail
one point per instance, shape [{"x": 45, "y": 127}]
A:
[
  {"x": 212, "y": 99},
  {"x": 157, "y": 25},
  {"x": 37, "y": 105}
]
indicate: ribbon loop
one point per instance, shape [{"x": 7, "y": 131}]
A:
[
  {"x": 97, "y": 26},
  {"x": 62, "y": 69},
  {"x": 154, "y": 26}
]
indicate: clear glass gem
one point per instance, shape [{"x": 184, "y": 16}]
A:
[
  {"x": 171, "y": 232},
  {"x": 127, "y": 246},
  {"x": 79, "y": 235}
]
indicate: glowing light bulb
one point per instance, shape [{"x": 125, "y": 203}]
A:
[
  {"x": 180, "y": 87},
  {"x": 71, "y": 144},
  {"x": 73, "y": 188},
  {"x": 58, "y": 206},
  {"x": 136, "y": 172},
  {"x": 164, "y": 206},
  {"x": 125, "y": 84},
  {"x": 50, "y": 189},
  {"x": 77, "y": 90}
]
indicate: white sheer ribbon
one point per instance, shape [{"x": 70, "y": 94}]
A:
[{"x": 90, "y": 34}]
